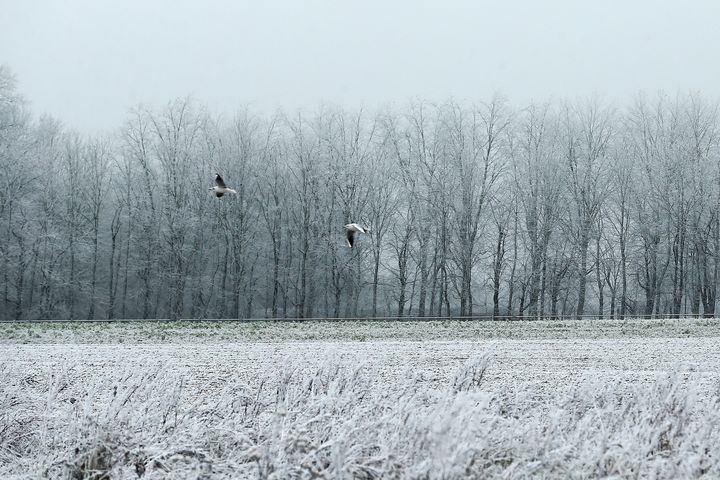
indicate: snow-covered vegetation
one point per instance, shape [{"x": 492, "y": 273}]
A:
[
  {"x": 516, "y": 211},
  {"x": 562, "y": 404}
]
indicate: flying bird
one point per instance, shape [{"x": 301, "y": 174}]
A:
[
  {"x": 220, "y": 187},
  {"x": 351, "y": 229}
]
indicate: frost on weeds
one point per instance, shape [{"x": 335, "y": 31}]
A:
[
  {"x": 471, "y": 374},
  {"x": 340, "y": 418}
]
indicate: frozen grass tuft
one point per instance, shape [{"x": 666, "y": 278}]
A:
[
  {"x": 471, "y": 374},
  {"x": 341, "y": 420}
]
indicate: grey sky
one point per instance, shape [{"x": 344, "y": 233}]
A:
[{"x": 88, "y": 61}]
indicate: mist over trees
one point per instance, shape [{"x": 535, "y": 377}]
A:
[{"x": 552, "y": 209}]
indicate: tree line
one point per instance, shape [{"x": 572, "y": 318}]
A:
[{"x": 555, "y": 209}]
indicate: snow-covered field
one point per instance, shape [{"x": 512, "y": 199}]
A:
[{"x": 361, "y": 400}]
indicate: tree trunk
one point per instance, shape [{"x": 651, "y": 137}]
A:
[
  {"x": 93, "y": 276},
  {"x": 599, "y": 277},
  {"x": 497, "y": 270},
  {"x": 582, "y": 270}
]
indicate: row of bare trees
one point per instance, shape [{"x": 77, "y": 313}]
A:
[{"x": 566, "y": 208}]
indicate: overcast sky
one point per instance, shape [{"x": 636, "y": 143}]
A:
[{"x": 88, "y": 61}]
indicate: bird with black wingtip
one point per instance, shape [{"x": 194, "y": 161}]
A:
[
  {"x": 220, "y": 188},
  {"x": 352, "y": 229}
]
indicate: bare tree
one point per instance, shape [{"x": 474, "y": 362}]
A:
[
  {"x": 475, "y": 151},
  {"x": 96, "y": 162},
  {"x": 137, "y": 146},
  {"x": 587, "y": 132},
  {"x": 174, "y": 135},
  {"x": 538, "y": 181}
]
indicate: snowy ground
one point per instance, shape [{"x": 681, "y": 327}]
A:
[{"x": 350, "y": 400}]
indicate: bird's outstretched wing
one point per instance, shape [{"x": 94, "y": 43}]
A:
[
  {"x": 350, "y": 237},
  {"x": 354, "y": 227},
  {"x": 219, "y": 181}
]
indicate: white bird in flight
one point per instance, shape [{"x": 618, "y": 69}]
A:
[
  {"x": 351, "y": 229},
  {"x": 220, "y": 188}
]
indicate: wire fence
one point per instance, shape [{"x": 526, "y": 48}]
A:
[{"x": 454, "y": 318}]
